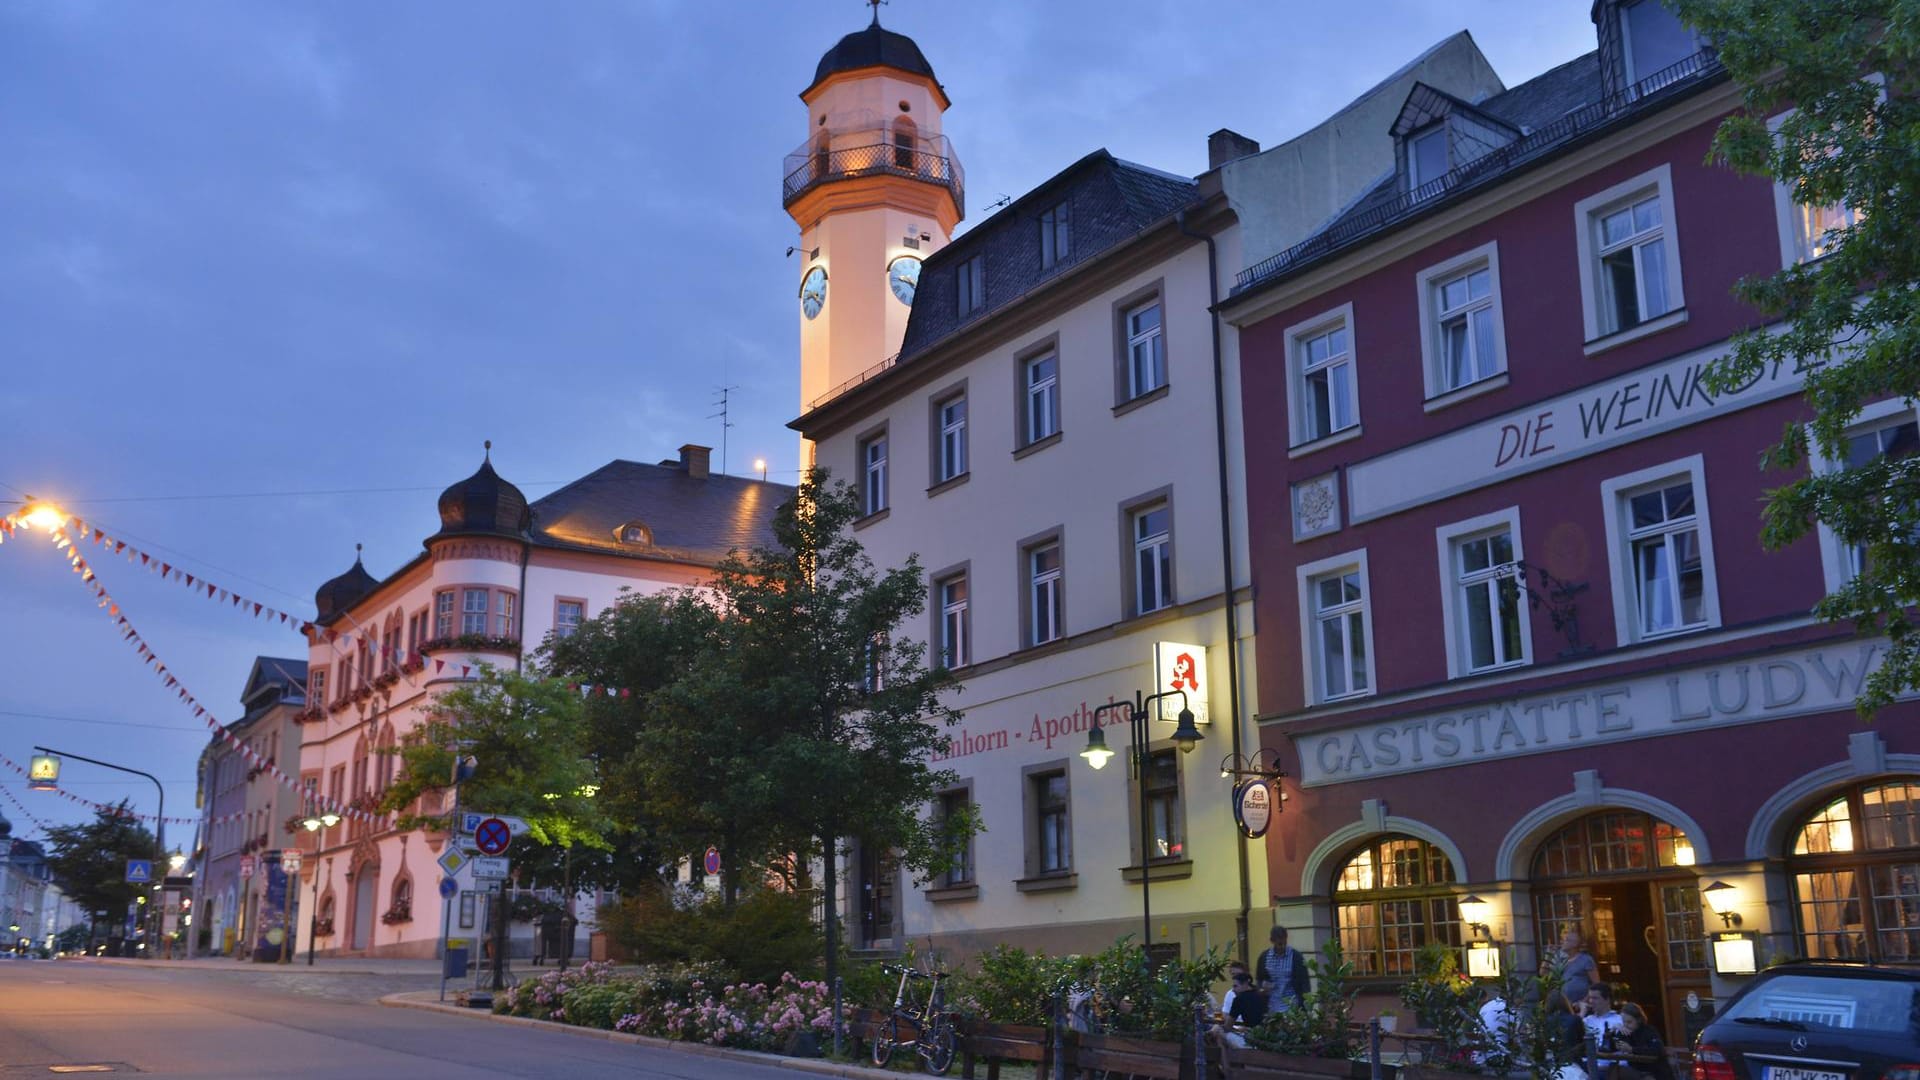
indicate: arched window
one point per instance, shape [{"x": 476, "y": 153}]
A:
[
  {"x": 1390, "y": 898},
  {"x": 906, "y": 139},
  {"x": 1855, "y": 864},
  {"x": 324, "y": 927}
]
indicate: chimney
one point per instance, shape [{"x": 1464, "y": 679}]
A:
[
  {"x": 694, "y": 460},
  {"x": 1228, "y": 145}
]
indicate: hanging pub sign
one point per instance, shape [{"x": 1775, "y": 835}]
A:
[
  {"x": 43, "y": 773},
  {"x": 1181, "y": 667},
  {"x": 1253, "y": 808}
]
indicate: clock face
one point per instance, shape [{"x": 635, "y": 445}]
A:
[
  {"x": 903, "y": 276},
  {"x": 813, "y": 292}
]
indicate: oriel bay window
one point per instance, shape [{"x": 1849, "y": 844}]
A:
[
  {"x": 1855, "y": 866},
  {"x": 1390, "y": 899},
  {"x": 480, "y": 610}
]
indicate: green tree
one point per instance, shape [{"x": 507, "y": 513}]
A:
[
  {"x": 89, "y": 861},
  {"x": 852, "y": 721},
  {"x": 1846, "y": 69},
  {"x": 528, "y": 737}
]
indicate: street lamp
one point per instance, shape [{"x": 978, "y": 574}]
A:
[
  {"x": 43, "y": 515},
  {"x": 1185, "y": 736},
  {"x": 326, "y": 819},
  {"x": 52, "y": 757},
  {"x": 760, "y": 466},
  {"x": 1722, "y": 898}
]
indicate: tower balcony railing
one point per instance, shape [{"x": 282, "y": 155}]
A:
[{"x": 930, "y": 160}]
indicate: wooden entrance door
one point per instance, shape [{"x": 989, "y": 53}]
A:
[
  {"x": 1645, "y": 935},
  {"x": 877, "y": 873}
]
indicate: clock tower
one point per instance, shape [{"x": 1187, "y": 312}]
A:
[{"x": 875, "y": 188}]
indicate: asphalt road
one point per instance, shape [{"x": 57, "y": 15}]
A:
[{"x": 253, "y": 1023}]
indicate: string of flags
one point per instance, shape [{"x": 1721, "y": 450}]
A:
[
  {"x": 31, "y": 816},
  {"x": 119, "y": 811},
  {"x": 150, "y": 658},
  {"x": 170, "y": 572},
  {"x": 588, "y": 690}
]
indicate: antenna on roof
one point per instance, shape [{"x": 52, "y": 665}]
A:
[
  {"x": 999, "y": 202},
  {"x": 723, "y": 401}
]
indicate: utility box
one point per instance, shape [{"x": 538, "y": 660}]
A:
[{"x": 454, "y": 963}]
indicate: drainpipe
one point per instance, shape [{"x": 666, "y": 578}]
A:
[
  {"x": 520, "y": 654},
  {"x": 1226, "y": 547}
]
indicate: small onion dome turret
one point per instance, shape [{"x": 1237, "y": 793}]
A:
[
  {"x": 874, "y": 46},
  {"x": 484, "y": 505},
  {"x": 344, "y": 591}
]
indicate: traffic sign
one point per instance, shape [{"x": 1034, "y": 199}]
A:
[
  {"x": 451, "y": 860},
  {"x": 139, "y": 871},
  {"x": 492, "y": 836},
  {"x": 712, "y": 862},
  {"x": 448, "y": 887},
  {"x": 470, "y": 821},
  {"x": 289, "y": 862},
  {"x": 246, "y": 866},
  {"x": 489, "y": 868}
]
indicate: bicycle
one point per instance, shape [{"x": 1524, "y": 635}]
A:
[{"x": 933, "y": 1024}]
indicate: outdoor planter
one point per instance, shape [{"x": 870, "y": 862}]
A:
[
  {"x": 1124, "y": 1054},
  {"x": 1252, "y": 1064},
  {"x": 993, "y": 1043}
]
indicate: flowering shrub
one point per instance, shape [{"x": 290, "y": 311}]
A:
[{"x": 686, "y": 1002}]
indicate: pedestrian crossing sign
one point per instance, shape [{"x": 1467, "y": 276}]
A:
[{"x": 139, "y": 871}]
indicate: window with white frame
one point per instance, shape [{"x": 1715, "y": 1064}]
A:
[
  {"x": 317, "y": 686},
  {"x": 1807, "y": 231},
  {"x": 1629, "y": 256},
  {"x": 567, "y": 616},
  {"x": 443, "y": 614},
  {"x": 474, "y": 604},
  {"x": 956, "y": 623},
  {"x": 1324, "y": 399},
  {"x": 1463, "y": 336},
  {"x": 1339, "y": 638},
  {"x": 1045, "y": 593},
  {"x": 1146, "y": 350},
  {"x": 1660, "y": 547},
  {"x": 952, "y": 417},
  {"x": 1886, "y": 429},
  {"x": 503, "y": 610},
  {"x": 1427, "y": 156},
  {"x": 1485, "y": 604},
  {"x": 972, "y": 285},
  {"x": 1152, "y": 529},
  {"x": 1041, "y": 394},
  {"x": 1056, "y": 235},
  {"x": 873, "y": 474}
]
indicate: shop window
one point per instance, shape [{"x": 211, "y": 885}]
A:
[
  {"x": 1855, "y": 866},
  {"x": 1390, "y": 899}
]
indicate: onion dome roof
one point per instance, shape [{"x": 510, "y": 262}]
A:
[
  {"x": 874, "y": 46},
  {"x": 344, "y": 591},
  {"x": 484, "y": 504}
]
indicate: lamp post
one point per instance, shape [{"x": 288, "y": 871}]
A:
[
  {"x": 1185, "y": 737},
  {"x": 313, "y": 824},
  {"x": 47, "y": 772}
]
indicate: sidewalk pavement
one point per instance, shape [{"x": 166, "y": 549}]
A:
[
  {"x": 344, "y": 965},
  {"x": 429, "y": 1000}
]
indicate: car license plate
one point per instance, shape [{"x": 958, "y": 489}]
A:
[{"x": 1787, "y": 1072}]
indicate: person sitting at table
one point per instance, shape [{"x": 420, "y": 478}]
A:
[
  {"x": 1565, "y": 1038},
  {"x": 1639, "y": 1039},
  {"x": 1245, "y": 1009},
  {"x": 1233, "y": 967}
]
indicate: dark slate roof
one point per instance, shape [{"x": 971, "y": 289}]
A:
[
  {"x": 691, "y": 519},
  {"x": 483, "y": 504},
  {"x": 342, "y": 592},
  {"x": 1549, "y": 96},
  {"x": 1110, "y": 201},
  {"x": 276, "y": 673},
  {"x": 872, "y": 47}
]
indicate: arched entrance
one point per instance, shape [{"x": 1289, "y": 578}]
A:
[
  {"x": 1855, "y": 868},
  {"x": 1623, "y": 879}
]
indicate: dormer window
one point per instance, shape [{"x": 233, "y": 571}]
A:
[
  {"x": 633, "y": 532},
  {"x": 1426, "y": 156},
  {"x": 1654, "y": 38}
]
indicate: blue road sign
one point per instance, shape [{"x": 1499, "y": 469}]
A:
[
  {"x": 448, "y": 887},
  {"x": 139, "y": 871}
]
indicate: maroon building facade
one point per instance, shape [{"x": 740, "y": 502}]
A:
[{"x": 1517, "y": 637}]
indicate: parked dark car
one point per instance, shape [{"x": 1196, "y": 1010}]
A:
[{"x": 1815, "y": 1021}]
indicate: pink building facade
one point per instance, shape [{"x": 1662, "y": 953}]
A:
[{"x": 1517, "y": 637}]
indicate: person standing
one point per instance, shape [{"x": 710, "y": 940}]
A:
[
  {"x": 1578, "y": 969},
  {"x": 1282, "y": 972}
]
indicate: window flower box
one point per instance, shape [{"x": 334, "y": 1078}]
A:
[{"x": 472, "y": 643}]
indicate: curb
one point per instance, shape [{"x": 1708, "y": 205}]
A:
[
  {"x": 817, "y": 1066},
  {"x": 239, "y": 965}
]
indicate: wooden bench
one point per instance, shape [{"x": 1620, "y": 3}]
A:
[
  {"x": 1247, "y": 1063},
  {"x": 1125, "y": 1054}
]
